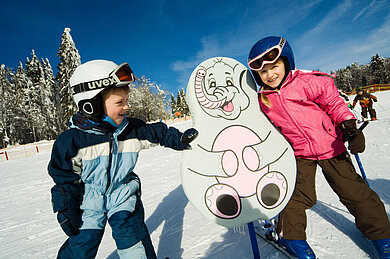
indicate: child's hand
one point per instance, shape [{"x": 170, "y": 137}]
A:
[
  {"x": 354, "y": 136},
  {"x": 188, "y": 136},
  {"x": 70, "y": 221}
]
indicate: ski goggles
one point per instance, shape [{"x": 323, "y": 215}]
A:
[
  {"x": 267, "y": 57},
  {"x": 122, "y": 75}
]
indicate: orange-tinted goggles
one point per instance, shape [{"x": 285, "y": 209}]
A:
[{"x": 123, "y": 74}]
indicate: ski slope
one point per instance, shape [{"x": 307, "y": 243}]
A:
[{"x": 28, "y": 228}]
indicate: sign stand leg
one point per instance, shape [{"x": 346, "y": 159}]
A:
[{"x": 252, "y": 235}]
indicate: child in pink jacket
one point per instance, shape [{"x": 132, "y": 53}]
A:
[{"x": 306, "y": 106}]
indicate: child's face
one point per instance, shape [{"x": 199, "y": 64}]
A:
[
  {"x": 115, "y": 105},
  {"x": 273, "y": 74}
]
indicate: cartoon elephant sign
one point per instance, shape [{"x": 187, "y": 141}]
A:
[{"x": 240, "y": 168}]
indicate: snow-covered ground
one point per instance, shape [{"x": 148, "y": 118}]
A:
[{"x": 28, "y": 228}]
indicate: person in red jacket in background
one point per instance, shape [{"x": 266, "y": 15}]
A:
[{"x": 366, "y": 101}]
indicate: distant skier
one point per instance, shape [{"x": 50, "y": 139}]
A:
[
  {"x": 366, "y": 101},
  {"x": 306, "y": 106},
  {"x": 92, "y": 164}
]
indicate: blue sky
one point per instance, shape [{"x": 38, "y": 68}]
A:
[{"x": 166, "y": 39}]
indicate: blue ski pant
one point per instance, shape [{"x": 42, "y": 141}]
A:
[
  {"x": 128, "y": 230},
  {"x": 361, "y": 201}
]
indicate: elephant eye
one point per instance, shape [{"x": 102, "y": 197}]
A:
[
  {"x": 213, "y": 84},
  {"x": 229, "y": 82}
]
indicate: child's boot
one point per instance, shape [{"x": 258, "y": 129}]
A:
[
  {"x": 381, "y": 248},
  {"x": 297, "y": 248},
  {"x": 373, "y": 119}
]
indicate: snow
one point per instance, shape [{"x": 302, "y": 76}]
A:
[{"x": 28, "y": 227}]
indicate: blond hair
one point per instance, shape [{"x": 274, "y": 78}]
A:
[
  {"x": 111, "y": 90},
  {"x": 264, "y": 99}
]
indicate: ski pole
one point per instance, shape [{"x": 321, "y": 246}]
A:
[
  {"x": 252, "y": 235},
  {"x": 354, "y": 112},
  {"x": 358, "y": 158},
  {"x": 361, "y": 168}
]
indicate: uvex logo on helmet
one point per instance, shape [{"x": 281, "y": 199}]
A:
[
  {"x": 94, "y": 85},
  {"x": 101, "y": 83}
]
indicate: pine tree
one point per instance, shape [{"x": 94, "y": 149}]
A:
[
  {"x": 378, "y": 70},
  {"x": 179, "y": 107},
  {"x": 5, "y": 85},
  {"x": 185, "y": 109},
  {"x": 173, "y": 104},
  {"x": 36, "y": 94},
  {"x": 22, "y": 125},
  {"x": 69, "y": 60},
  {"x": 49, "y": 91},
  {"x": 356, "y": 76}
]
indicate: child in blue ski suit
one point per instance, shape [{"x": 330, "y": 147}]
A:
[
  {"x": 92, "y": 164},
  {"x": 306, "y": 106}
]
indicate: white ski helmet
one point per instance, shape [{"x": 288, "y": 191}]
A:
[{"x": 90, "y": 78}]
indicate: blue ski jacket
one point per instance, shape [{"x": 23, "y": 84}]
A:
[{"x": 93, "y": 167}]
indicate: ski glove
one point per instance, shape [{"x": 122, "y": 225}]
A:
[
  {"x": 70, "y": 221},
  {"x": 375, "y": 100},
  {"x": 188, "y": 136},
  {"x": 354, "y": 136}
]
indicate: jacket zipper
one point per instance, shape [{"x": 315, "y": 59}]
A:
[
  {"x": 296, "y": 124},
  {"x": 110, "y": 162}
]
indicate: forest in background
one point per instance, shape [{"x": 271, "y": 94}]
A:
[{"x": 36, "y": 105}]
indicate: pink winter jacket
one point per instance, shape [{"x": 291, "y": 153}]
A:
[{"x": 308, "y": 109}]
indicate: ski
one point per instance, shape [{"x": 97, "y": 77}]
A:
[{"x": 267, "y": 232}]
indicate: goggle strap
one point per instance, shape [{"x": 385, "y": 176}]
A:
[
  {"x": 282, "y": 42},
  {"x": 93, "y": 85}
]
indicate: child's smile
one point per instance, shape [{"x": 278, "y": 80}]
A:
[
  {"x": 115, "y": 106},
  {"x": 273, "y": 74}
]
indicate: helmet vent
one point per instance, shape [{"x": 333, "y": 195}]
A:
[{"x": 88, "y": 108}]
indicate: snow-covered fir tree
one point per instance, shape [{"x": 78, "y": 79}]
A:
[
  {"x": 173, "y": 104},
  {"x": 69, "y": 60},
  {"x": 37, "y": 114},
  {"x": 181, "y": 105},
  {"x": 343, "y": 80},
  {"x": 378, "y": 70},
  {"x": 22, "y": 131},
  {"x": 356, "y": 73},
  {"x": 179, "y": 108},
  {"x": 49, "y": 91},
  {"x": 184, "y": 105},
  {"x": 5, "y": 87}
]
